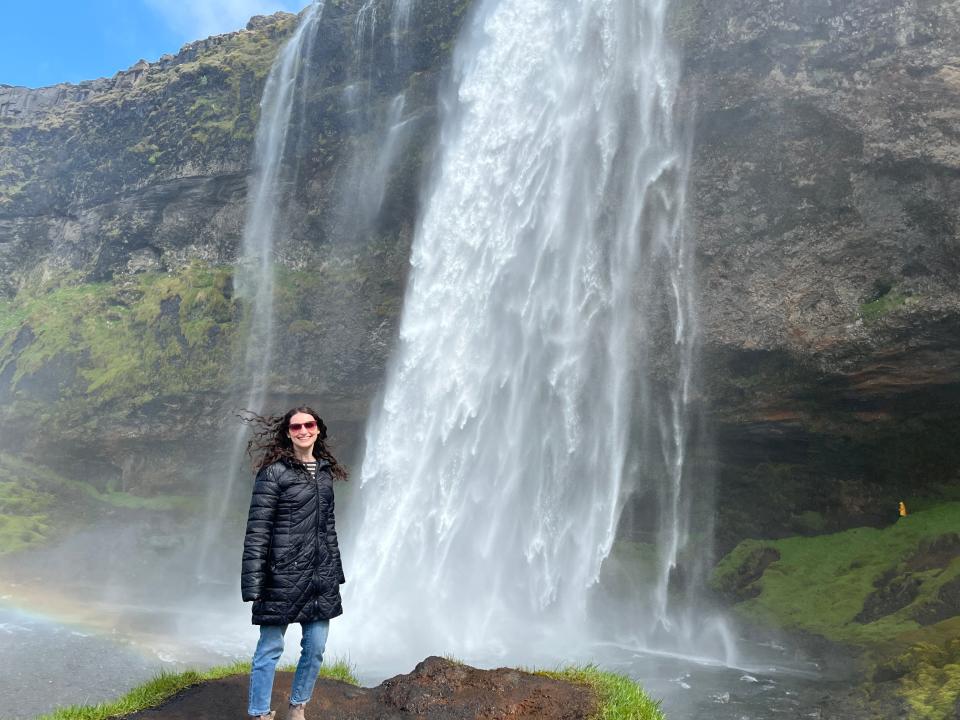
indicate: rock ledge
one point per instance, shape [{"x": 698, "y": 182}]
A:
[{"x": 437, "y": 688}]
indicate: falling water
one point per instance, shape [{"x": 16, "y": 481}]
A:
[
  {"x": 368, "y": 18},
  {"x": 365, "y": 30},
  {"x": 254, "y": 277},
  {"x": 400, "y": 23},
  {"x": 372, "y": 170},
  {"x": 381, "y": 129},
  {"x": 512, "y": 424}
]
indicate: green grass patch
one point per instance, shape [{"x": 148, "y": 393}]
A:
[
  {"x": 876, "y": 309},
  {"x": 619, "y": 697},
  {"x": 166, "y": 685}
]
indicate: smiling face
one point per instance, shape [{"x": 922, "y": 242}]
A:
[{"x": 302, "y": 431}]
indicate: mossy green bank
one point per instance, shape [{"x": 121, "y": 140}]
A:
[{"x": 890, "y": 592}]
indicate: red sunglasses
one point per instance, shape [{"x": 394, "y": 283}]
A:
[{"x": 309, "y": 425}]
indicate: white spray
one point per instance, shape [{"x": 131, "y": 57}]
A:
[{"x": 254, "y": 276}]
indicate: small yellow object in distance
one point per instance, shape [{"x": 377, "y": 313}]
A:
[{"x": 903, "y": 509}]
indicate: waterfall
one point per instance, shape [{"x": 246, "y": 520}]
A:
[
  {"x": 254, "y": 283},
  {"x": 523, "y": 404}
]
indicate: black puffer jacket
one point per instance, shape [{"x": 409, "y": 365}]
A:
[{"x": 291, "y": 560}]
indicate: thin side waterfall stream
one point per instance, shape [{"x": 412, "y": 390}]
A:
[
  {"x": 255, "y": 268},
  {"x": 521, "y": 408}
]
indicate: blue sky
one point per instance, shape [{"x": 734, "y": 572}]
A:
[{"x": 43, "y": 43}]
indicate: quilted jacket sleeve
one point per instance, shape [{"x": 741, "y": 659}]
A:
[
  {"x": 256, "y": 543},
  {"x": 332, "y": 544}
]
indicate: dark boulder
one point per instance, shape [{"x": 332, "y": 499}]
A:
[
  {"x": 892, "y": 594},
  {"x": 943, "y": 607},
  {"x": 740, "y": 583}
]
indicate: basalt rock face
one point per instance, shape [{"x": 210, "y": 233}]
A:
[{"x": 826, "y": 194}]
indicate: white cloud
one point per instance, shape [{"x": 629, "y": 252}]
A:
[{"x": 196, "y": 19}]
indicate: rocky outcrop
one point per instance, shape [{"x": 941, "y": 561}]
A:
[{"x": 437, "y": 688}]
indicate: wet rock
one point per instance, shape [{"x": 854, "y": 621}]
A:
[
  {"x": 437, "y": 688},
  {"x": 945, "y": 606},
  {"x": 892, "y": 594},
  {"x": 935, "y": 552},
  {"x": 740, "y": 584}
]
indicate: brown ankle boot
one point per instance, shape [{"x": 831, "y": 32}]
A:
[{"x": 296, "y": 712}]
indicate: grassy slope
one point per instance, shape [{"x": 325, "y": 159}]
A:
[
  {"x": 819, "y": 585},
  {"x": 620, "y": 697}
]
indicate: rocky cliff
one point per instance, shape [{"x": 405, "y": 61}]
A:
[
  {"x": 121, "y": 212},
  {"x": 826, "y": 182},
  {"x": 826, "y": 192}
]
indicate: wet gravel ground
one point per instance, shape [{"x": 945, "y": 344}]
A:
[{"x": 46, "y": 665}]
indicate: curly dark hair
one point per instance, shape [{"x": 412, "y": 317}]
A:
[{"x": 271, "y": 443}]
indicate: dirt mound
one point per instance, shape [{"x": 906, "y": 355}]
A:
[{"x": 437, "y": 689}]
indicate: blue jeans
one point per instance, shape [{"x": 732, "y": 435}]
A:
[{"x": 268, "y": 652}]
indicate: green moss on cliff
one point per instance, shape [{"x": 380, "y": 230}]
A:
[
  {"x": 930, "y": 679},
  {"x": 129, "y": 340},
  {"x": 11, "y": 316},
  {"x": 24, "y": 518},
  {"x": 876, "y": 309}
]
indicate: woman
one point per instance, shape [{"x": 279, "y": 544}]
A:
[{"x": 291, "y": 561}]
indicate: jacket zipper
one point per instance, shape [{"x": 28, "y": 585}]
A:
[{"x": 316, "y": 541}]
